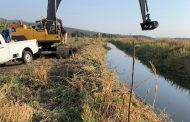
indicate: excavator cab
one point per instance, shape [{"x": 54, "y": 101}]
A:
[{"x": 53, "y": 28}]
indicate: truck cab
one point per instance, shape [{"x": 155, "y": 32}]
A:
[
  {"x": 4, "y": 51},
  {"x": 23, "y": 50}
]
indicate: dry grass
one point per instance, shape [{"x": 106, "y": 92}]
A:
[
  {"x": 13, "y": 111},
  {"x": 156, "y": 83},
  {"x": 39, "y": 74},
  {"x": 4, "y": 90},
  {"x": 79, "y": 88},
  {"x": 104, "y": 99}
]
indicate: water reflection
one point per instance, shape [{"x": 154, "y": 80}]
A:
[{"x": 172, "y": 97}]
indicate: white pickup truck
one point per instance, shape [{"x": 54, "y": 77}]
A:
[{"x": 23, "y": 50}]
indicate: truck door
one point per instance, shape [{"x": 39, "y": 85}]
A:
[{"x": 4, "y": 51}]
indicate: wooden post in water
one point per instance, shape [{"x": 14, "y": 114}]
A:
[{"x": 132, "y": 85}]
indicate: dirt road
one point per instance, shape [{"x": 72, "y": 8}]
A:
[
  {"x": 11, "y": 67},
  {"x": 18, "y": 66}
]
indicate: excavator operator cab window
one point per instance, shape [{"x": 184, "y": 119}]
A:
[
  {"x": 55, "y": 28},
  {"x": 52, "y": 29},
  {"x": 40, "y": 25}
]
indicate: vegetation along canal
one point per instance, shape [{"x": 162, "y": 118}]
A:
[{"x": 172, "y": 98}]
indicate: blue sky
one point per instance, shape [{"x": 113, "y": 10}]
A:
[{"x": 111, "y": 16}]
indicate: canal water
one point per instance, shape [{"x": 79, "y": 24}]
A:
[{"x": 170, "y": 98}]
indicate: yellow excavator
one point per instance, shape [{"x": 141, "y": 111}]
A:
[{"x": 48, "y": 31}]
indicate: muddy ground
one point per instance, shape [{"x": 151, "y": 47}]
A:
[{"x": 11, "y": 67}]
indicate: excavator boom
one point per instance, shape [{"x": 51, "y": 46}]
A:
[{"x": 53, "y": 6}]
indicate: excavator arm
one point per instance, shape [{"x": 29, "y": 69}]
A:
[
  {"x": 53, "y": 6},
  {"x": 147, "y": 24}
]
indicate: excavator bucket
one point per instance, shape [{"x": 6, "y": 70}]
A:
[{"x": 149, "y": 25}]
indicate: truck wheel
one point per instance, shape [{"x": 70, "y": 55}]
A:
[
  {"x": 27, "y": 57},
  {"x": 2, "y": 65}
]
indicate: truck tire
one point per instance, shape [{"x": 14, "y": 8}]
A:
[
  {"x": 27, "y": 57},
  {"x": 2, "y": 65}
]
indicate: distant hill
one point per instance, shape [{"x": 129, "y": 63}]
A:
[
  {"x": 134, "y": 36},
  {"x": 72, "y": 30},
  {"x": 182, "y": 39},
  {"x": 15, "y": 21},
  {"x": 174, "y": 39},
  {"x": 1, "y": 19}
]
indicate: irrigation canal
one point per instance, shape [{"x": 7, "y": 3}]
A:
[{"x": 172, "y": 98}]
